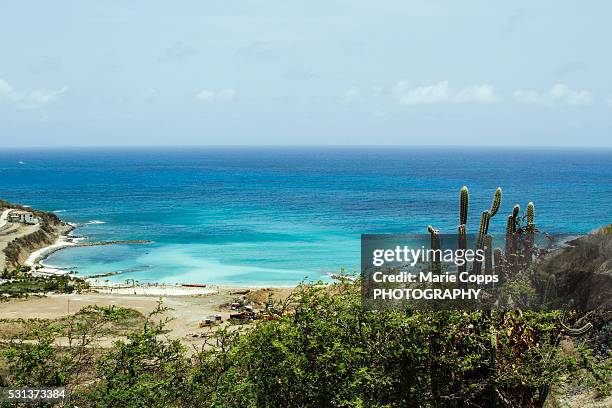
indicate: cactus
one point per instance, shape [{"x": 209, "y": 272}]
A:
[
  {"x": 530, "y": 213},
  {"x": 531, "y": 228},
  {"x": 497, "y": 260},
  {"x": 515, "y": 213},
  {"x": 496, "y": 201},
  {"x": 462, "y": 244},
  {"x": 482, "y": 231},
  {"x": 513, "y": 220},
  {"x": 510, "y": 225},
  {"x": 493, "y": 258},
  {"x": 510, "y": 230},
  {"x": 463, "y": 210},
  {"x": 488, "y": 247},
  {"x": 484, "y": 223}
]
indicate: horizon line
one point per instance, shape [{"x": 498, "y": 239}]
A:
[{"x": 290, "y": 146}]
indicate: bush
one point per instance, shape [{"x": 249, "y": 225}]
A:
[{"x": 323, "y": 351}]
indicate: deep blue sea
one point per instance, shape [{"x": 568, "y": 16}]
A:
[{"x": 272, "y": 216}]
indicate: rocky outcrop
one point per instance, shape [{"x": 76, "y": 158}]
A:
[
  {"x": 48, "y": 230},
  {"x": 18, "y": 250},
  {"x": 583, "y": 270},
  {"x": 47, "y": 218}
]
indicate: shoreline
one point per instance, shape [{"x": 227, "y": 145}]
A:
[
  {"x": 36, "y": 258},
  {"x": 38, "y": 267},
  {"x": 154, "y": 289}
]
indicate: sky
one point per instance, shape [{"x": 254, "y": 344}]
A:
[{"x": 311, "y": 72}]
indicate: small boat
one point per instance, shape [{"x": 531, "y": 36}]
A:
[{"x": 194, "y": 285}]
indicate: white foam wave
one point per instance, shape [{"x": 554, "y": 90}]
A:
[{"x": 95, "y": 222}]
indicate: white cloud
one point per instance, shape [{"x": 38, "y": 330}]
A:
[
  {"x": 558, "y": 94},
  {"x": 609, "y": 102},
  {"x": 29, "y": 99},
  {"x": 352, "y": 95},
  {"x": 205, "y": 96},
  {"x": 442, "y": 93},
  {"x": 220, "y": 96},
  {"x": 477, "y": 93}
]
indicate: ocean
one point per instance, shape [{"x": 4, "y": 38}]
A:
[{"x": 277, "y": 215}]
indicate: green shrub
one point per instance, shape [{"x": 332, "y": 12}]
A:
[{"x": 324, "y": 352}]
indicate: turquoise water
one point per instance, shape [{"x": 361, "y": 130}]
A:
[{"x": 273, "y": 216}]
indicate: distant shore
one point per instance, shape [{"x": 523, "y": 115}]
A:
[
  {"x": 36, "y": 262},
  {"x": 104, "y": 286},
  {"x": 35, "y": 258}
]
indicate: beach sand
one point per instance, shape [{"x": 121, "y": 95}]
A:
[
  {"x": 189, "y": 305},
  {"x": 186, "y": 311},
  {"x": 35, "y": 258},
  {"x": 117, "y": 288}
]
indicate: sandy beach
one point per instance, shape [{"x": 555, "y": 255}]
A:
[
  {"x": 186, "y": 309},
  {"x": 154, "y": 289},
  {"x": 189, "y": 304},
  {"x": 35, "y": 259},
  {"x": 104, "y": 286}
]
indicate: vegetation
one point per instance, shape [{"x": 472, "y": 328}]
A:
[
  {"x": 60, "y": 352},
  {"x": 36, "y": 239},
  {"x": 323, "y": 350},
  {"x": 19, "y": 283}
]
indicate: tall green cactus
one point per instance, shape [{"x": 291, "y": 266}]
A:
[
  {"x": 531, "y": 228},
  {"x": 484, "y": 223},
  {"x": 513, "y": 219},
  {"x": 515, "y": 212},
  {"x": 510, "y": 230},
  {"x": 488, "y": 248},
  {"x": 482, "y": 232},
  {"x": 464, "y": 198},
  {"x": 493, "y": 258},
  {"x": 497, "y": 260},
  {"x": 496, "y": 201},
  {"x": 463, "y": 209},
  {"x": 462, "y": 244},
  {"x": 510, "y": 227},
  {"x": 530, "y": 213}
]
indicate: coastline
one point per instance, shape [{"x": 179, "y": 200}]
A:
[
  {"x": 189, "y": 304},
  {"x": 36, "y": 261},
  {"x": 36, "y": 258}
]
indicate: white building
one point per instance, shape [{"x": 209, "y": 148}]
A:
[{"x": 25, "y": 217}]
